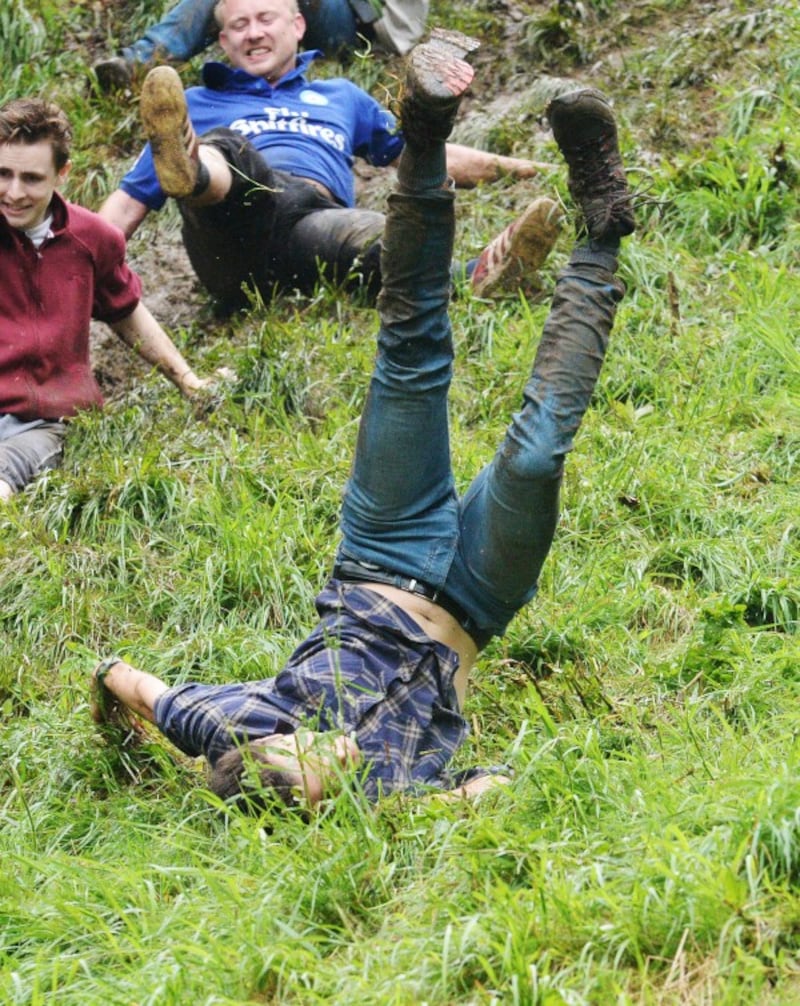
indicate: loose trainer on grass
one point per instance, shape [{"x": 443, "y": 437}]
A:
[
  {"x": 422, "y": 580},
  {"x": 60, "y": 266},
  {"x": 266, "y": 194}
]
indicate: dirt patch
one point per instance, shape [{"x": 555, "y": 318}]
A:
[{"x": 170, "y": 290}]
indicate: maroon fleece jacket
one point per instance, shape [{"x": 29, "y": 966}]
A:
[{"x": 47, "y": 299}]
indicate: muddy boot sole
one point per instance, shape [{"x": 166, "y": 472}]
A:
[
  {"x": 173, "y": 141},
  {"x": 437, "y": 77}
]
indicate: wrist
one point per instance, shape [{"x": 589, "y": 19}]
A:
[
  {"x": 189, "y": 381},
  {"x": 101, "y": 671}
]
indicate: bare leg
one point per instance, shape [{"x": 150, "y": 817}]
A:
[{"x": 220, "y": 177}]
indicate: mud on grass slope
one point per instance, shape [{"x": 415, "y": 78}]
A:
[{"x": 666, "y": 63}]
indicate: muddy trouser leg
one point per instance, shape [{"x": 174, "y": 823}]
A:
[
  {"x": 338, "y": 244},
  {"x": 400, "y": 510},
  {"x": 184, "y": 31},
  {"x": 228, "y": 243},
  {"x": 25, "y": 455},
  {"x": 509, "y": 514}
]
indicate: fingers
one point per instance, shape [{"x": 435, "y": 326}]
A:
[{"x": 312, "y": 761}]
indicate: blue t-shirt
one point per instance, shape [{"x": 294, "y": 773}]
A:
[{"x": 312, "y": 129}]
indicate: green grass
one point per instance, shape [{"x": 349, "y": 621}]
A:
[{"x": 648, "y": 850}]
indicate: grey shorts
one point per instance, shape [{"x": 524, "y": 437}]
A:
[{"x": 27, "y": 448}]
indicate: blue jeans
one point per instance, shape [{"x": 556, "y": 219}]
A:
[
  {"x": 189, "y": 28},
  {"x": 400, "y": 509}
]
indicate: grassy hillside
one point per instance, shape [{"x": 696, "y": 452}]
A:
[{"x": 648, "y": 850}]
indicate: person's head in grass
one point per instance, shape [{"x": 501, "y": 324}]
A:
[{"x": 283, "y": 770}]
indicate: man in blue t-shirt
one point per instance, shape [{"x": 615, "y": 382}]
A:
[
  {"x": 423, "y": 578},
  {"x": 267, "y": 194}
]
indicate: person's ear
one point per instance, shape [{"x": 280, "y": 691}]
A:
[
  {"x": 63, "y": 174},
  {"x": 299, "y": 26}
]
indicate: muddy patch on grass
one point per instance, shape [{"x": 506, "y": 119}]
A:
[{"x": 169, "y": 289}]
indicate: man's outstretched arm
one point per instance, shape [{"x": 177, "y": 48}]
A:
[
  {"x": 468, "y": 166},
  {"x": 142, "y": 332},
  {"x": 123, "y": 211}
]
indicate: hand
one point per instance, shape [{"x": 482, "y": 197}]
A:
[
  {"x": 190, "y": 383},
  {"x": 206, "y": 392},
  {"x": 520, "y": 167}
]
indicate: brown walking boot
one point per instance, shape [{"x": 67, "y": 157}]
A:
[
  {"x": 585, "y": 129},
  {"x": 437, "y": 77}
]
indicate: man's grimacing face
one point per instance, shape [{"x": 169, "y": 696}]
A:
[
  {"x": 261, "y": 36},
  {"x": 28, "y": 178}
]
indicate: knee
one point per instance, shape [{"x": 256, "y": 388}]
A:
[
  {"x": 534, "y": 466},
  {"x": 533, "y": 454}
]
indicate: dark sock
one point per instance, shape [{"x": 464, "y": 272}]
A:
[
  {"x": 609, "y": 245},
  {"x": 601, "y": 253},
  {"x": 422, "y": 167},
  {"x": 203, "y": 179}
]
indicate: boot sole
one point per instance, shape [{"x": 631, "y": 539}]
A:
[{"x": 165, "y": 118}]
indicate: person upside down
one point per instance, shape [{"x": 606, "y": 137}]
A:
[{"x": 422, "y": 579}]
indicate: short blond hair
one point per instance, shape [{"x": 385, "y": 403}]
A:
[{"x": 219, "y": 8}]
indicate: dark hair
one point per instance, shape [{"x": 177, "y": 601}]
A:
[
  {"x": 31, "y": 120},
  {"x": 238, "y": 779}
]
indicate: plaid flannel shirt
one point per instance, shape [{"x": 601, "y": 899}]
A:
[{"x": 367, "y": 669}]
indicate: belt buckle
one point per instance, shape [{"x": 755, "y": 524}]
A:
[{"x": 421, "y": 589}]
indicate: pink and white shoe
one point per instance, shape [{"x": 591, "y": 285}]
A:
[{"x": 518, "y": 251}]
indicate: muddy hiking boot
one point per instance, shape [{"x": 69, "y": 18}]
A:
[
  {"x": 510, "y": 261},
  {"x": 437, "y": 77},
  {"x": 173, "y": 141},
  {"x": 114, "y": 73},
  {"x": 584, "y": 128}
]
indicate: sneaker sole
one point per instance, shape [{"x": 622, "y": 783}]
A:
[
  {"x": 165, "y": 118},
  {"x": 529, "y": 244}
]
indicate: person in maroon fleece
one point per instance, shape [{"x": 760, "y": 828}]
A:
[{"x": 60, "y": 266}]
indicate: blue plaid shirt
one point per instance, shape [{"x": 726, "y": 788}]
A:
[{"x": 367, "y": 669}]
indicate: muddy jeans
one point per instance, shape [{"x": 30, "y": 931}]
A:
[
  {"x": 28, "y": 448},
  {"x": 401, "y": 512},
  {"x": 276, "y": 232}
]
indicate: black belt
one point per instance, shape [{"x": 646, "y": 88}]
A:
[{"x": 353, "y": 571}]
